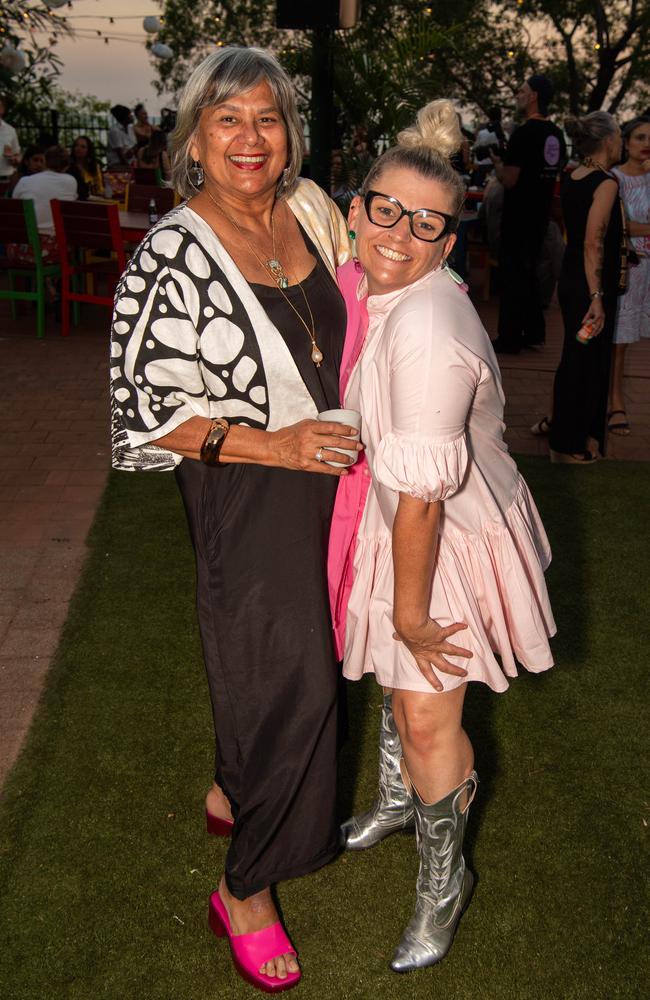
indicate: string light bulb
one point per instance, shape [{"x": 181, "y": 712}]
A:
[
  {"x": 161, "y": 51},
  {"x": 151, "y": 25}
]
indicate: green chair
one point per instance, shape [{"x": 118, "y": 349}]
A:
[{"x": 18, "y": 225}]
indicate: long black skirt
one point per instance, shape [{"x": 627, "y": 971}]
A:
[
  {"x": 260, "y": 537},
  {"x": 581, "y": 383}
]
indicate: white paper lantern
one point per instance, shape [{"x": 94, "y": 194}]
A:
[
  {"x": 161, "y": 51},
  {"x": 12, "y": 59},
  {"x": 151, "y": 25}
]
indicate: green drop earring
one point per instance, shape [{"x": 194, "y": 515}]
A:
[{"x": 352, "y": 235}]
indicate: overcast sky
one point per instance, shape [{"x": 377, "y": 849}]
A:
[{"x": 122, "y": 70}]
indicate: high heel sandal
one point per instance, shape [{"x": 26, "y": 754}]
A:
[
  {"x": 619, "y": 427},
  {"x": 250, "y": 951},
  {"x": 216, "y": 826},
  {"x": 562, "y": 458},
  {"x": 542, "y": 428}
]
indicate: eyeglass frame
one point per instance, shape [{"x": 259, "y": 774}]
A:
[{"x": 451, "y": 221}]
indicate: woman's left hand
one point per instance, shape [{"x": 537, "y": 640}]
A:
[
  {"x": 428, "y": 643},
  {"x": 595, "y": 317}
]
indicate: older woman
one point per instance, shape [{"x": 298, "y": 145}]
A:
[
  {"x": 227, "y": 338},
  {"x": 449, "y": 539}
]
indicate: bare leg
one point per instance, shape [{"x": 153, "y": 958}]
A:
[
  {"x": 254, "y": 914},
  {"x": 616, "y": 394},
  {"x": 217, "y": 803},
  {"x": 436, "y": 748}
]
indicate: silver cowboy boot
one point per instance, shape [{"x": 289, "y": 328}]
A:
[
  {"x": 393, "y": 807},
  {"x": 444, "y": 884}
]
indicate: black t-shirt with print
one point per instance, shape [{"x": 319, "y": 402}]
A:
[{"x": 537, "y": 147}]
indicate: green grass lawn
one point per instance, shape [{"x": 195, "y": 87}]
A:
[{"x": 105, "y": 869}]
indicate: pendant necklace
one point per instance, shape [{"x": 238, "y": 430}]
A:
[
  {"x": 272, "y": 264},
  {"x": 316, "y": 353},
  {"x": 277, "y": 272}
]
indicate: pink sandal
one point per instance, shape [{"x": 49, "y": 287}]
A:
[
  {"x": 217, "y": 826},
  {"x": 250, "y": 951}
]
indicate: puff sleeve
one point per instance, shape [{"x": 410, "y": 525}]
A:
[{"x": 433, "y": 380}]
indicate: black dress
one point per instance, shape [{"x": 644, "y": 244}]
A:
[
  {"x": 582, "y": 380},
  {"x": 260, "y": 536}
]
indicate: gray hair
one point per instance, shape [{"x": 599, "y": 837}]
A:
[
  {"x": 589, "y": 132},
  {"x": 425, "y": 147},
  {"x": 224, "y": 74}
]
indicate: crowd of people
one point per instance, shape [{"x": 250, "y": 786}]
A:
[
  {"x": 396, "y": 534},
  {"x": 543, "y": 229},
  {"x": 42, "y": 172}
]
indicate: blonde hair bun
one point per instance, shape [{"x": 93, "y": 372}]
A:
[{"x": 436, "y": 127}]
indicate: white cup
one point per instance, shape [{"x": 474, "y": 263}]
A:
[{"x": 352, "y": 418}]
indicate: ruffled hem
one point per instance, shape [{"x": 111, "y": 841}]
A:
[
  {"x": 427, "y": 468},
  {"x": 494, "y": 582}
]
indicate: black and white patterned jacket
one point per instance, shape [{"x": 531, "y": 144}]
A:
[{"x": 189, "y": 337}]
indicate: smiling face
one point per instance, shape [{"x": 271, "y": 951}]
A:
[
  {"x": 638, "y": 143},
  {"x": 242, "y": 144},
  {"x": 394, "y": 258}
]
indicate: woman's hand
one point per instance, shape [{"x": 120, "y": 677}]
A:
[
  {"x": 428, "y": 643},
  {"x": 296, "y": 446},
  {"x": 595, "y": 316}
]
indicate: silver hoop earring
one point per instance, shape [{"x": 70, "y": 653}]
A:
[{"x": 196, "y": 174}]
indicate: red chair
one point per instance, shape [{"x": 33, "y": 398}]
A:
[
  {"x": 82, "y": 226},
  {"x": 138, "y": 197}
]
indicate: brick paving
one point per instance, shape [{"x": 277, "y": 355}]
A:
[{"x": 54, "y": 460}]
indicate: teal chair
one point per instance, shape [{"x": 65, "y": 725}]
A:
[{"x": 18, "y": 225}]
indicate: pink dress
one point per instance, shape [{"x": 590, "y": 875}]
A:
[{"x": 428, "y": 387}]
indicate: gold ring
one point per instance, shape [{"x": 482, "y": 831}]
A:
[{"x": 319, "y": 454}]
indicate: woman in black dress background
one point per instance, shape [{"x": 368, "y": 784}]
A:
[
  {"x": 227, "y": 339},
  {"x": 587, "y": 290}
]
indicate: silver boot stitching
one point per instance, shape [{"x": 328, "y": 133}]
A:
[
  {"x": 444, "y": 884},
  {"x": 393, "y": 807}
]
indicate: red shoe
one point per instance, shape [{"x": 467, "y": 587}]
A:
[
  {"x": 217, "y": 826},
  {"x": 250, "y": 951}
]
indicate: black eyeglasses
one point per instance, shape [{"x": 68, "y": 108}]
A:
[{"x": 426, "y": 223}]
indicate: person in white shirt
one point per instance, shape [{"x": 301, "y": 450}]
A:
[
  {"x": 53, "y": 182},
  {"x": 9, "y": 146},
  {"x": 121, "y": 143}
]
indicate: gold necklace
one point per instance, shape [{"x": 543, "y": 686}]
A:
[
  {"x": 272, "y": 264},
  {"x": 316, "y": 353},
  {"x": 274, "y": 267}
]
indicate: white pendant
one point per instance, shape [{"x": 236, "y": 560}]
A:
[{"x": 316, "y": 356}]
